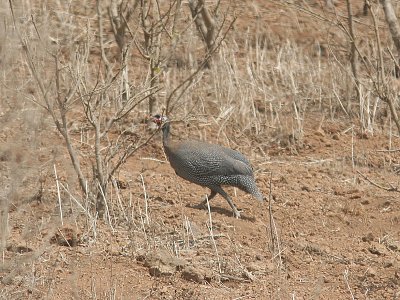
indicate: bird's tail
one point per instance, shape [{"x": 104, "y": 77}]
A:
[
  {"x": 257, "y": 194},
  {"x": 250, "y": 187}
]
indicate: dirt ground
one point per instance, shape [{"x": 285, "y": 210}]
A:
[
  {"x": 329, "y": 227},
  {"x": 338, "y": 233}
]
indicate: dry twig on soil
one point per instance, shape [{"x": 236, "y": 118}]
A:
[{"x": 389, "y": 189}]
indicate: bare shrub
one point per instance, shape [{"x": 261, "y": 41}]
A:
[{"x": 92, "y": 98}]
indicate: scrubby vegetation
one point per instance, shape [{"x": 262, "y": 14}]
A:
[{"x": 90, "y": 207}]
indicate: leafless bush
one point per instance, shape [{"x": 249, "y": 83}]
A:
[
  {"x": 205, "y": 23},
  {"x": 99, "y": 97},
  {"x": 371, "y": 64}
]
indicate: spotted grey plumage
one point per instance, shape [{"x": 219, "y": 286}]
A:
[{"x": 209, "y": 165}]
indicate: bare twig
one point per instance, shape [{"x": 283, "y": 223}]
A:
[
  {"x": 204, "y": 22},
  {"x": 146, "y": 202},
  {"x": 346, "y": 280},
  {"x": 273, "y": 232},
  {"x": 353, "y": 52},
  {"x": 389, "y": 189},
  {"x": 210, "y": 229},
  {"x": 58, "y": 194},
  {"x": 389, "y": 150},
  {"x": 101, "y": 38}
]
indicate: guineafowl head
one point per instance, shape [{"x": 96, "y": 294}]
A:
[
  {"x": 163, "y": 123},
  {"x": 160, "y": 120}
]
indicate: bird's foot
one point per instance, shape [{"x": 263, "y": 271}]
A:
[
  {"x": 202, "y": 205},
  {"x": 236, "y": 213}
]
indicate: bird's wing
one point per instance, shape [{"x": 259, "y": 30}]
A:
[
  {"x": 236, "y": 155},
  {"x": 207, "y": 159},
  {"x": 233, "y": 166}
]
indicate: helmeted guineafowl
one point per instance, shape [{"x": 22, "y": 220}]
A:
[{"x": 208, "y": 165}]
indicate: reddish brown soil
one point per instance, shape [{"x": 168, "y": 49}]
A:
[
  {"x": 338, "y": 234},
  {"x": 335, "y": 235}
]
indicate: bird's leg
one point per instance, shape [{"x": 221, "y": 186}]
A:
[
  {"x": 236, "y": 212},
  {"x": 212, "y": 195},
  {"x": 220, "y": 191},
  {"x": 203, "y": 204}
]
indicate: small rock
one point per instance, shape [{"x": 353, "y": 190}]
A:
[
  {"x": 141, "y": 255},
  {"x": 121, "y": 184},
  {"x": 19, "y": 249},
  {"x": 393, "y": 245},
  {"x": 114, "y": 251},
  {"x": 377, "y": 249},
  {"x": 196, "y": 274},
  {"x": 66, "y": 236},
  {"x": 162, "y": 263},
  {"x": 253, "y": 267},
  {"x": 368, "y": 238},
  {"x": 259, "y": 257},
  {"x": 11, "y": 279},
  {"x": 396, "y": 295},
  {"x": 339, "y": 191},
  {"x": 388, "y": 264},
  {"x": 363, "y": 135},
  {"x": 371, "y": 272},
  {"x": 270, "y": 266},
  {"x": 355, "y": 196},
  {"x": 281, "y": 179}
]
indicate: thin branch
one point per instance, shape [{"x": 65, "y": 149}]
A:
[
  {"x": 189, "y": 79},
  {"x": 101, "y": 38},
  {"x": 124, "y": 111},
  {"x": 389, "y": 189},
  {"x": 129, "y": 153},
  {"x": 389, "y": 151}
]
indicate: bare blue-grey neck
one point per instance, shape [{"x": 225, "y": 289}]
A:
[{"x": 166, "y": 129}]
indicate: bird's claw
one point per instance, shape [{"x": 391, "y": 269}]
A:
[
  {"x": 236, "y": 213},
  {"x": 202, "y": 205}
]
